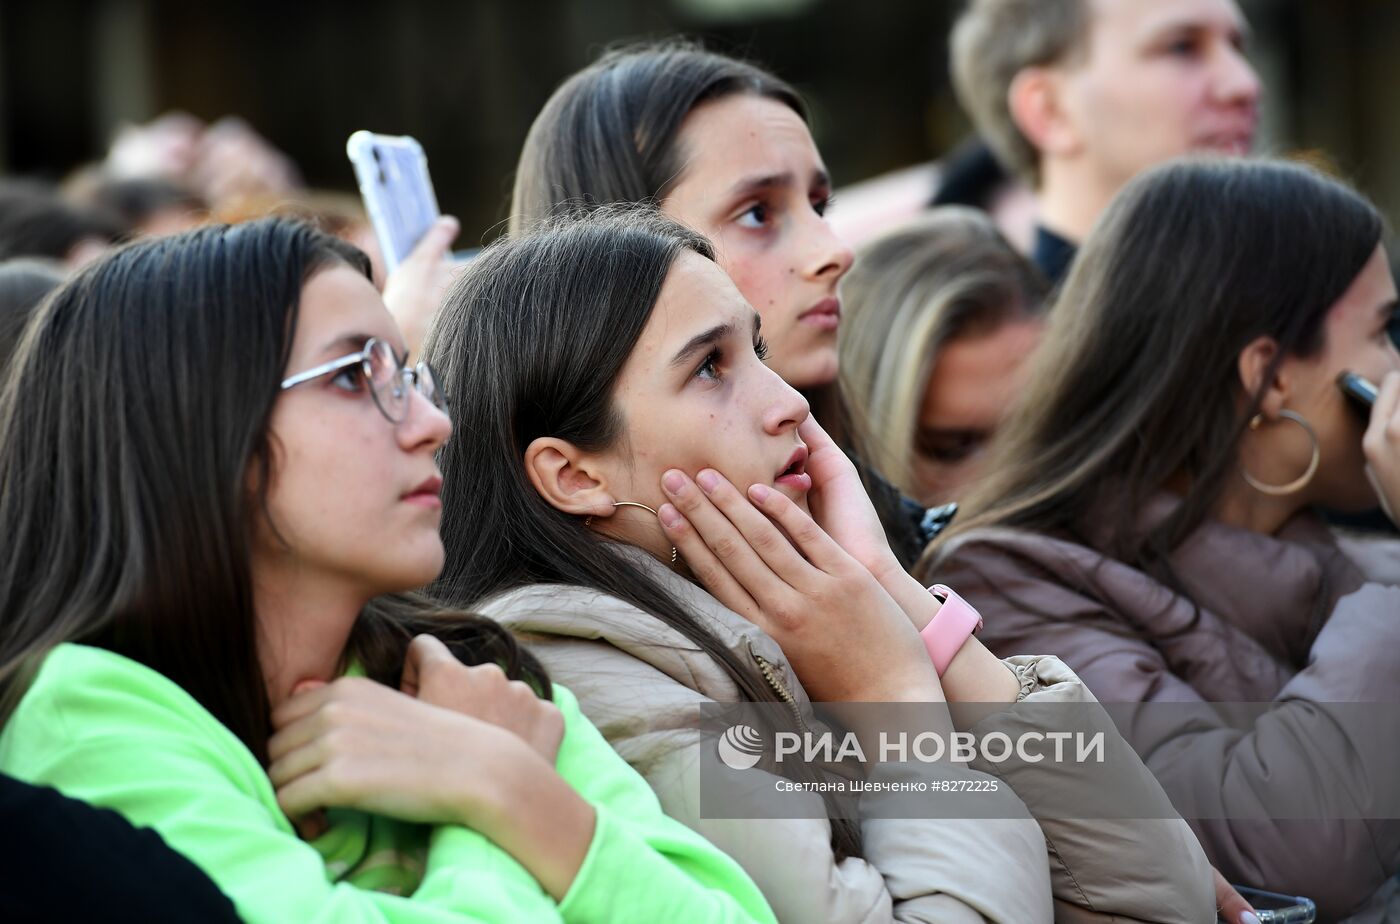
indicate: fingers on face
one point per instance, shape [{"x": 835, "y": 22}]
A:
[
  {"x": 731, "y": 547},
  {"x": 813, "y": 435},
  {"x": 803, "y": 532},
  {"x": 715, "y": 518},
  {"x": 1384, "y": 429},
  {"x": 705, "y": 566},
  {"x": 737, "y": 531}
]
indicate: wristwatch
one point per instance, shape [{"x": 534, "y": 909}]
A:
[{"x": 954, "y": 623}]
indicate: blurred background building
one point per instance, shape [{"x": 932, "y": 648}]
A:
[{"x": 466, "y": 78}]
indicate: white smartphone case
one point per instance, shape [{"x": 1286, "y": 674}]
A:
[{"x": 392, "y": 172}]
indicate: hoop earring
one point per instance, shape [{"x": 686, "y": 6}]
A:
[
  {"x": 588, "y": 520},
  {"x": 1282, "y": 490}
]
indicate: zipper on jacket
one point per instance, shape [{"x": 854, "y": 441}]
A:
[{"x": 771, "y": 676}]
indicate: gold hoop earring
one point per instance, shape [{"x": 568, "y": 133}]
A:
[
  {"x": 588, "y": 521},
  {"x": 1297, "y": 484}
]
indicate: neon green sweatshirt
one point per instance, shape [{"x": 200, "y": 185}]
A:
[{"x": 105, "y": 729}]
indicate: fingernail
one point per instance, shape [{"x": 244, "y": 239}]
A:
[
  {"x": 708, "y": 480},
  {"x": 759, "y": 493},
  {"x": 671, "y": 518},
  {"x": 1249, "y": 917},
  {"x": 672, "y": 481}
]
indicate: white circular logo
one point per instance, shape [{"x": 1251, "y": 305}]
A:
[{"x": 740, "y": 747}]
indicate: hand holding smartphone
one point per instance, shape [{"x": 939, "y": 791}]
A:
[
  {"x": 392, "y": 172},
  {"x": 1378, "y": 407},
  {"x": 1273, "y": 908}
]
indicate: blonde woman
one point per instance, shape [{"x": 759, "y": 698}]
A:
[{"x": 942, "y": 315}]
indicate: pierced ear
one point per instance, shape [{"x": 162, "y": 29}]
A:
[
  {"x": 567, "y": 477},
  {"x": 1254, "y": 363},
  {"x": 1035, "y": 102}
]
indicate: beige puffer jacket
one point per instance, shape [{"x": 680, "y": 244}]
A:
[{"x": 642, "y": 684}]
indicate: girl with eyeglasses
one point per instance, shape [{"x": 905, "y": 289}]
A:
[{"x": 214, "y": 468}]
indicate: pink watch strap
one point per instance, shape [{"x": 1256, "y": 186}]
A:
[{"x": 950, "y": 628}]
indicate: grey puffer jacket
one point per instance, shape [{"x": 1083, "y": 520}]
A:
[
  {"x": 642, "y": 684},
  {"x": 1288, "y": 620}
]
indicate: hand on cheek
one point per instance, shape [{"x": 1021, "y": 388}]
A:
[
  {"x": 763, "y": 557},
  {"x": 1381, "y": 445},
  {"x": 840, "y": 505}
]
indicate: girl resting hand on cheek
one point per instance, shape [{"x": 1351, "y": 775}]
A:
[{"x": 616, "y": 371}]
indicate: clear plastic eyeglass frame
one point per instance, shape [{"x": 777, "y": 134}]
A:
[{"x": 389, "y": 379}]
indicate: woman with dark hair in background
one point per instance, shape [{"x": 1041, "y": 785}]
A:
[
  {"x": 616, "y": 374},
  {"x": 723, "y": 147},
  {"x": 942, "y": 315},
  {"x": 1149, "y": 511},
  {"x": 720, "y": 145},
  {"x": 213, "y": 467}
]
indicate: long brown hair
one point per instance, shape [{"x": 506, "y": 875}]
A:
[
  {"x": 131, "y": 418},
  {"x": 537, "y": 332},
  {"x": 609, "y": 133},
  {"x": 1136, "y": 381}
]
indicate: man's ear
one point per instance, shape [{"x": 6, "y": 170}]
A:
[
  {"x": 1254, "y": 362},
  {"x": 1035, "y": 99},
  {"x": 567, "y": 477}
]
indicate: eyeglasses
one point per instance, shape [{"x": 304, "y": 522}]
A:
[{"x": 388, "y": 378}]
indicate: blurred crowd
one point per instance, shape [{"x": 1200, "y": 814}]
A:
[{"x": 169, "y": 175}]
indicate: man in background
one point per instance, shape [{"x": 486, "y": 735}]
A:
[{"x": 1079, "y": 96}]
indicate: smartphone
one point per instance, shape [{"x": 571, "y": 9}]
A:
[
  {"x": 1362, "y": 392},
  {"x": 1273, "y": 908},
  {"x": 392, "y": 172}
]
